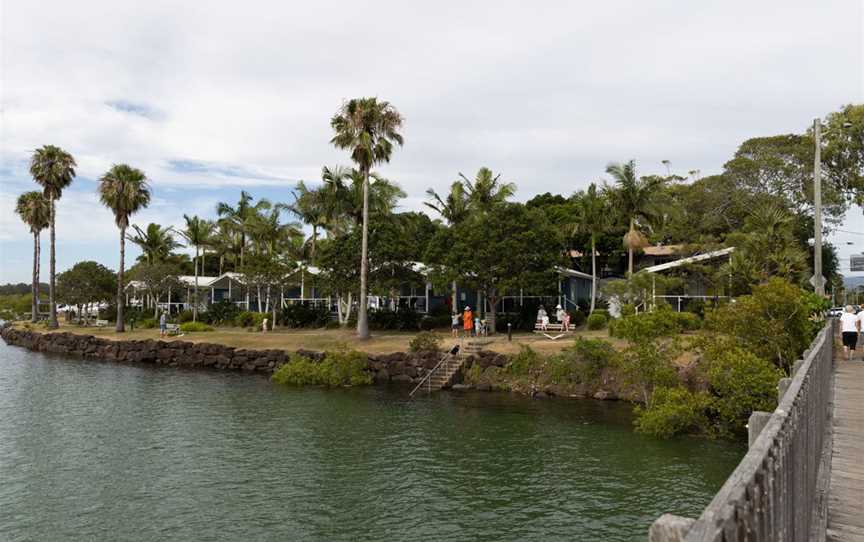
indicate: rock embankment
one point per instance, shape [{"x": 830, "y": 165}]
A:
[{"x": 397, "y": 367}]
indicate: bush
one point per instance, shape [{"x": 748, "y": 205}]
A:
[
  {"x": 596, "y": 320},
  {"x": 249, "y": 319},
  {"x": 298, "y": 315},
  {"x": 525, "y": 362},
  {"x": 341, "y": 367},
  {"x": 646, "y": 326},
  {"x": 222, "y": 313},
  {"x": 673, "y": 411},
  {"x": 595, "y": 355},
  {"x": 402, "y": 319},
  {"x": 577, "y": 318},
  {"x": 773, "y": 322},
  {"x": 437, "y": 321},
  {"x": 184, "y": 316},
  {"x": 146, "y": 323},
  {"x": 741, "y": 383},
  {"x": 628, "y": 309},
  {"x": 426, "y": 341},
  {"x": 190, "y": 327}
]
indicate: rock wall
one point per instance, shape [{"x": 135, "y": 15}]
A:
[{"x": 398, "y": 367}]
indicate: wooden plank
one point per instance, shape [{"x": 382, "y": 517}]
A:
[{"x": 846, "y": 493}]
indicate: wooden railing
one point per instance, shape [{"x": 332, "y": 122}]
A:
[{"x": 778, "y": 491}]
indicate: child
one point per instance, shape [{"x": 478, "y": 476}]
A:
[
  {"x": 565, "y": 320},
  {"x": 455, "y": 325}
]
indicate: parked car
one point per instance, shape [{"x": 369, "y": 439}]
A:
[{"x": 835, "y": 312}]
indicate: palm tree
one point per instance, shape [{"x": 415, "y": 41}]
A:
[
  {"x": 54, "y": 169},
  {"x": 343, "y": 194},
  {"x": 368, "y": 129},
  {"x": 633, "y": 198},
  {"x": 35, "y": 211},
  {"x": 239, "y": 216},
  {"x": 124, "y": 190},
  {"x": 593, "y": 217},
  {"x": 156, "y": 242},
  {"x": 197, "y": 233},
  {"x": 310, "y": 207},
  {"x": 487, "y": 189},
  {"x": 454, "y": 209}
]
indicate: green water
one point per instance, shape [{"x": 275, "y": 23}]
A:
[{"x": 96, "y": 451}]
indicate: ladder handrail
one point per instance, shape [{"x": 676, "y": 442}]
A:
[{"x": 429, "y": 374}]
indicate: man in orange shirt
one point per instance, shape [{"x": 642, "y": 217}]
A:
[{"x": 467, "y": 321}]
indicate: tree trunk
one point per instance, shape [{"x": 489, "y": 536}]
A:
[
  {"x": 195, "y": 295},
  {"x": 492, "y": 299},
  {"x": 221, "y": 263},
  {"x": 362, "y": 317},
  {"x": 453, "y": 300},
  {"x": 593, "y": 275},
  {"x": 314, "y": 239},
  {"x": 120, "y": 327},
  {"x": 52, "y": 307},
  {"x": 34, "y": 289}
]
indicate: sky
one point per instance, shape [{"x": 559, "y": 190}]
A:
[{"x": 210, "y": 98}]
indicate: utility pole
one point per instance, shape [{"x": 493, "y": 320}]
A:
[{"x": 818, "y": 280}]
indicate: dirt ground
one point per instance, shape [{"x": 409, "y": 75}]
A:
[{"x": 382, "y": 342}]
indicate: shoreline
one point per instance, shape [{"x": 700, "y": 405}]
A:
[{"x": 404, "y": 368}]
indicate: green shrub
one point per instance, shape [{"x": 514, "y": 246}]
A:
[
  {"x": 340, "y": 367},
  {"x": 773, "y": 322},
  {"x": 577, "y": 318},
  {"x": 184, "y": 316},
  {"x": 146, "y": 323},
  {"x": 628, "y": 309},
  {"x": 402, "y": 319},
  {"x": 473, "y": 375},
  {"x": 673, "y": 410},
  {"x": 596, "y": 320},
  {"x": 646, "y": 365},
  {"x": 595, "y": 355},
  {"x": 647, "y": 326},
  {"x": 741, "y": 383},
  {"x": 525, "y": 362},
  {"x": 437, "y": 321},
  {"x": 190, "y": 327},
  {"x": 427, "y": 341},
  {"x": 221, "y": 313},
  {"x": 298, "y": 315},
  {"x": 250, "y": 319},
  {"x": 299, "y": 371}
]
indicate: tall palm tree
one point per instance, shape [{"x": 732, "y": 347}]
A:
[
  {"x": 54, "y": 169},
  {"x": 633, "y": 198},
  {"x": 454, "y": 209},
  {"x": 593, "y": 209},
  {"x": 368, "y": 129},
  {"x": 156, "y": 242},
  {"x": 124, "y": 190},
  {"x": 343, "y": 192},
  {"x": 35, "y": 211},
  {"x": 487, "y": 189},
  {"x": 197, "y": 233}
]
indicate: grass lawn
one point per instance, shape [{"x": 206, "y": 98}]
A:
[{"x": 382, "y": 342}]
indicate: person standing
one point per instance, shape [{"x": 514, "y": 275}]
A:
[
  {"x": 850, "y": 326},
  {"x": 559, "y": 314},
  {"x": 467, "y": 321},
  {"x": 163, "y": 323},
  {"x": 455, "y": 324}
]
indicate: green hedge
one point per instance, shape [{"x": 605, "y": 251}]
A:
[
  {"x": 191, "y": 327},
  {"x": 596, "y": 320},
  {"x": 338, "y": 368}
]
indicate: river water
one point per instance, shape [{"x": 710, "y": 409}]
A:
[{"x": 98, "y": 451}]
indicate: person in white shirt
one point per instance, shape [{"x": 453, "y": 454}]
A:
[{"x": 850, "y": 326}]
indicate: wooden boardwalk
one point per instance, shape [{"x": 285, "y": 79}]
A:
[{"x": 846, "y": 493}]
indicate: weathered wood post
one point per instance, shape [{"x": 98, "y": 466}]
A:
[
  {"x": 669, "y": 528},
  {"x": 755, "y": 424}
]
